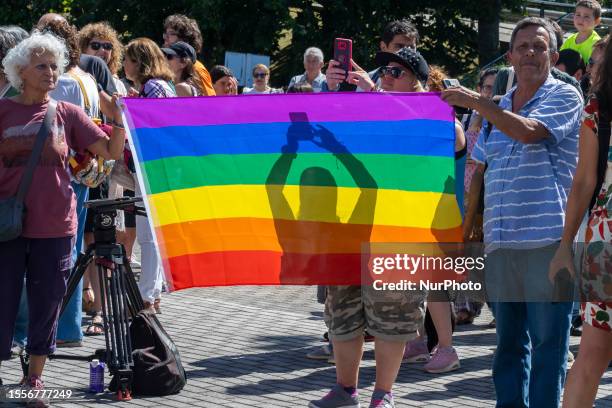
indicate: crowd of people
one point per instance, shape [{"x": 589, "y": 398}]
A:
[{"x": 533, "y": 162}]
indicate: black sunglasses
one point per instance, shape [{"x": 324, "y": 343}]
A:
[
  {"x": 97, "y": 45},
  {"x": 259, "y": 75},
  {"x": 395, "y": 72}
]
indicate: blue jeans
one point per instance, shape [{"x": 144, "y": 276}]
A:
[
  {"x": 69, "y": 325},
  {"x": 532, "y": 336}
]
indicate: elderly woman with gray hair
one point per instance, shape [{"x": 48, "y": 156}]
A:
[
  {"x": 313, "y": 63},
  {"x": 42, "y": 253}
]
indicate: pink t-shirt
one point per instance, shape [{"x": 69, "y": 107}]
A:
[{"x": 50, "y": 202}]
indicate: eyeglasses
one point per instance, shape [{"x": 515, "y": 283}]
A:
[
  {"x": 395, "y": 72},
  {"x": 94, "y": 45},
  {"x": 260, "y": 75}
]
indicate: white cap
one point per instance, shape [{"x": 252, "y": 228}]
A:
[{"x": 94, "y": 363}]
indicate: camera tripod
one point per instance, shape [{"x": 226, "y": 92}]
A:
[{"x": 119, "y": 291}]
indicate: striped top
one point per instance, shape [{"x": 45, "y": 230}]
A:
[{"x": 527, "y": 185}]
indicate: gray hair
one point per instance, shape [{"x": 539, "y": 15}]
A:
[
  {"x": 20, "y": 56},
  {"x": 315, "y": 52},
  {"x": 10, "y": 36},
  {"x": 540, "y": 22}
]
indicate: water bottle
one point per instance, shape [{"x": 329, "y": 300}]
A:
[{"x": 96, "y": 376}]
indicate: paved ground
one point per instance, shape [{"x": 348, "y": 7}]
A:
[{"x": 245, "y": 347}]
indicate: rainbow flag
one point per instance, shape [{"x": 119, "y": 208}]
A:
[{"x": 285, "y": 189}]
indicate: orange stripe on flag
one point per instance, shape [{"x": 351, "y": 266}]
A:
[{"x": 310, "y": 237}]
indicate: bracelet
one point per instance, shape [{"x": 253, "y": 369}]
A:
[{"x": 116, "y": 125}]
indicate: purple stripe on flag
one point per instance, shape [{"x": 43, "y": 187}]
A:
[{"x": 321, "y": 107}]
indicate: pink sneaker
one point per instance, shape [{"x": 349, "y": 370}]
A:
[
  {"x": 37, "y": 387},
  {"x": 416, "y": 352},
  {"x": 444, "y": 359}
]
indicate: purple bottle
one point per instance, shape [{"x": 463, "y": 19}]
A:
[{"x": 96, "y": 376}]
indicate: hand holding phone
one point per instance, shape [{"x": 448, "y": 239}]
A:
[
  {"x": 343, "y": 53},
  {"x": 453, "y": 83}
]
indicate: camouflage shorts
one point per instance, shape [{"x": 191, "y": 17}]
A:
[{"x": 389, "y": 315}]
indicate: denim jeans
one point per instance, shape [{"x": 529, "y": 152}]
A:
[{"x": 529, "y": 366}]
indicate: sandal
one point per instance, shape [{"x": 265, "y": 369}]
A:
[
  {"x": 96, "y": 327},
  {"x": 464, "y": 317}
]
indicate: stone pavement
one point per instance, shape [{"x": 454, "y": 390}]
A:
[{"x": 245, "y": 347}]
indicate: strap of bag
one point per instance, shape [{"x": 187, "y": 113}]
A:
[
  {"x": 83, "y": 91},
  {"x": 43, "y": 132}
]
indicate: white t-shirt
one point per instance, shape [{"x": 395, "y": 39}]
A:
[
  {"x": 121, "y": 90},
  {"x": 67, "y": 90}
]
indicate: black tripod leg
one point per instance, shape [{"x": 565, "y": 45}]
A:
[
  {"x": 107, "y": 318},
  {"x": 117, "y": 317},
  {"x": 135, "y": 300},
  {"x": 76, "y": 275},
  {"x": 123, "y": 302}
]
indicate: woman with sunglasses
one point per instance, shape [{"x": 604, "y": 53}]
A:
[
  {"x": 181, "y": 59},
  {"x": 101, "y": 40},
  {"x": 261, "y": 76}
]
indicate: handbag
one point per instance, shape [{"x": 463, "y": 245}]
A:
[
  {"x": 86, "y": 168},
  {"x": 12, "y": 210}
]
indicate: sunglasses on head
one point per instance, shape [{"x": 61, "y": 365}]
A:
[
  {"x": 395, "y": 72},
  {"x": 97, "y": 45},
  {"x": 259, "y": 75}
]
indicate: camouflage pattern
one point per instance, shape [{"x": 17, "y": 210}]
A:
[{"x": 386, "y": 314}]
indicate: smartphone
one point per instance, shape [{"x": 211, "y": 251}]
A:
[
  {"x": 343, "y": 53},
  {"x": 450, "y": 83}
]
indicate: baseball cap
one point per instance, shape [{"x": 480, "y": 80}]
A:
[
  {"x": 408, "y": 58},
  {"x": 182, "y": 50}
]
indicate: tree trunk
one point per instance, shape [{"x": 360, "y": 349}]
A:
[{"x": 488, "y": 31}]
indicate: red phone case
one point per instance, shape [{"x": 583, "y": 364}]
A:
[{"x": 343, "y": 52}]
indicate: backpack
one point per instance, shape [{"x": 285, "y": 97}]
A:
[{"x": 157, "y": 364}]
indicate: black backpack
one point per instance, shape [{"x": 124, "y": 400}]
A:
[{"x": 157, "y": 364}]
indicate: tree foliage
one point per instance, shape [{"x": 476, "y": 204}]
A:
[{"x": 447, "y": 27}]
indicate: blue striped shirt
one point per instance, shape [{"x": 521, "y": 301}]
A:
[{"x": 527, "y": 185}]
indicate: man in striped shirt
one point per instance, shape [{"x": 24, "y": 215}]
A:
[{"x": 531, "y": 154}]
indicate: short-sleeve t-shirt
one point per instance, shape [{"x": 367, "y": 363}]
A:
[
  {"x": 50, "y": 203},
  {"x": 585, "y": 48}
]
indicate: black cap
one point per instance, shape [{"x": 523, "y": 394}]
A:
[
  {"x": 406, "y": 57},
  {"x": 181, "y": 49}
]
